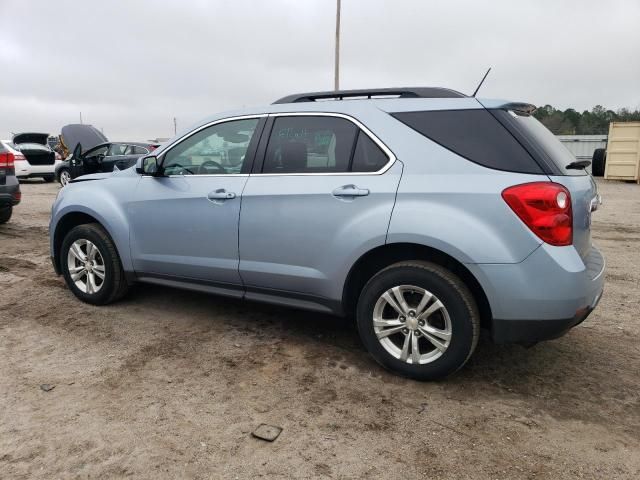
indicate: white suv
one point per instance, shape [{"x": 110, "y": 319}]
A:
[{"x": 33, "y": 156}]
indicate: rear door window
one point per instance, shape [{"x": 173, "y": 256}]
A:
[
  {"x": 367, "y": 157},
  {"x": 310, "y": 144},
  {"x": 138, "y": 150},
  {"x": 117, "y": 149},
  {"x": 475, "y": 135}
]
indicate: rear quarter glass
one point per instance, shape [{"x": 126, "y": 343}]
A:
[
  {"x": 539, "y": 141},
  {"x": 475, "y": 135}
]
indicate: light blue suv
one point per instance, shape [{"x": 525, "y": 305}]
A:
[{"x": 423, "y": 213}]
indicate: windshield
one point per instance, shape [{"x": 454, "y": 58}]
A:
[{"x": 548, "y": 142}]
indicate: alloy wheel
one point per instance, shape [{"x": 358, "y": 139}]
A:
[
  {"x": 86, "y": 266},
  {"x": 412, "y": 324},
  {"x": 65, "y": 177}
]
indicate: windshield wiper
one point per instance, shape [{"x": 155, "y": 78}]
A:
[{"x": 578, "y": 165}]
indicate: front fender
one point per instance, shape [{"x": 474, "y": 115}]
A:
[{"x": 103, "y": 200}]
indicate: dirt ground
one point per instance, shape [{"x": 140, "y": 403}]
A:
[{"x": 169, "y": 384}]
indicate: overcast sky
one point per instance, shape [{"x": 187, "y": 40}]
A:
[{"x": 131, "y": 66}]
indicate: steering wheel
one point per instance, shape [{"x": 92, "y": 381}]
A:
[{"x": 206, "y": 166}]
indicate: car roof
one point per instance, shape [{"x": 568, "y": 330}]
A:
[{"x": 430, "y": 99}]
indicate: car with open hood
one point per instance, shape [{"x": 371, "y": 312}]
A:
[
  {"x": 91, "y": 152},
  {"x": 33, "y": 157}
]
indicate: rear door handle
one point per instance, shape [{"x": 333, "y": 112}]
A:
[
  {"x": 221, "y": 194},
  {"x": 350, "y": 191}
]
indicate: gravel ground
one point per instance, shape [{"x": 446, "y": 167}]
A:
[{"x": 170, "y": 384}]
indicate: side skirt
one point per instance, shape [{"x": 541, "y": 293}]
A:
[{"x": 284, "y": 298}]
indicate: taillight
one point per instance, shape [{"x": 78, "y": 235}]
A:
[
  {"x": 6, "y": 160},
  {"x": 20, "y": 157},
  {"x": 545, "y": 208}
]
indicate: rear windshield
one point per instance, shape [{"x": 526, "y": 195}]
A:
[{"x": 555, "y": 151}]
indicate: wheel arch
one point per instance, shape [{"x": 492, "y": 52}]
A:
[
  {"x": 382, "y": 256},
  {"x": 65, "y": 224}
]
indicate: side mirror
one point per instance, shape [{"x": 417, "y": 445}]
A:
[{"x": 147, "y": 165}]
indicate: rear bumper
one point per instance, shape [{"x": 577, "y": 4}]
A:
[
  {"x": 544, "y": 296},
  {"x": 9, "y": 192},
  {"x": 7, "y": 200},
  {"x": 533, "y": 331},
  {"x": 25, "y": 170}
]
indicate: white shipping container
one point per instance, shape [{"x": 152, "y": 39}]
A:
[{"x": 583, "y": 146}]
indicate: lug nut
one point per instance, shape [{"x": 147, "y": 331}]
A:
[
  {"x": 421, "y": 323},
  {"x": 416, "y": 333},
  {"x": 402, "y": 319},
  {"x": 405, "y": 330}
]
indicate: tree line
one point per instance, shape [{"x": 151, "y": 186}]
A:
[{"x": 594, "y": 122}]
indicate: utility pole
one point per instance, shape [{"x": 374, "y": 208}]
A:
[
  {"x": 175, "y": 126},
  {"x": 337, "y": 65},
  {"x": 80, "y": 118}
]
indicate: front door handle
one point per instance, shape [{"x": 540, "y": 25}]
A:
[
  {"x": 350, "y": 191},
  {"x": 221, "y": 194}
]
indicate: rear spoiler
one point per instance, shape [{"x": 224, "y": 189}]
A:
[{"x": 518, "y": 107}]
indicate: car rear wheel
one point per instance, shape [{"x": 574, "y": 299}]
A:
[
  {"x": 91, "y": 265},
  {"x": 64, "y": 177},
  {"x": 5, "y": 214},
  {"x": 419, "y": 320}
]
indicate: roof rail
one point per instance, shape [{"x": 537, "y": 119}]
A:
[{"x": 418, "y": 92}]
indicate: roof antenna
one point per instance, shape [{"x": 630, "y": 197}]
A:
[{"x": 481, "y": 82}]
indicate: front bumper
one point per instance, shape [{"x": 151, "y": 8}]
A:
[{"x": 544, "y": 296}]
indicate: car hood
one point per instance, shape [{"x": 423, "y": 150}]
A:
[
  {"x": 30, "y": 137},
  {"x": 129, "y": 172},
  {"x": 87, "y": 136}
]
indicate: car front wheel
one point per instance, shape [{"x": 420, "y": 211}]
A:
[
  {"x": 91, "y": 265},
  {"x": 418, "y": 319},
  {"x": 64, "y": 177}
]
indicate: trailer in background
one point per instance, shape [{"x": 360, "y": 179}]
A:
[
  {"x": 583, "y": 146},
  {"x": 623, "y": 152}
]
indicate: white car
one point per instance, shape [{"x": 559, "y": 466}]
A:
[{"x": 33, "y": 156}]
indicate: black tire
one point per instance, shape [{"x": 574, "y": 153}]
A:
[
  {"x": 5, "y": 214},
  {"x": 450, "y": 290},
  {"x": 115, "y": 285},
  {"x": 598, "y": 162}
]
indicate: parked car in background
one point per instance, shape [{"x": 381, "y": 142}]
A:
[
  {"x": 9, "y": 186},
  {"x": 423, "y": 213},
  {"x": 33, "y": 156},
  {"x": 96, "y": 153}
]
